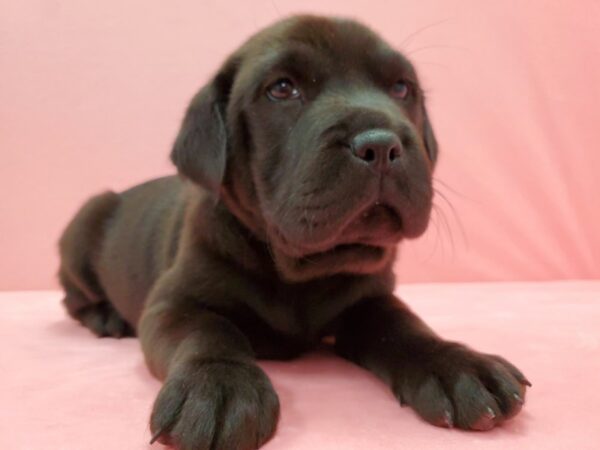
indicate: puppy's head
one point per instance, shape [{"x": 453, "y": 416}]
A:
[{"x": 315, "y": 134}]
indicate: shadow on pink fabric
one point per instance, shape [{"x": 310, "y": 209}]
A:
[{"x": 62, "y": 388}]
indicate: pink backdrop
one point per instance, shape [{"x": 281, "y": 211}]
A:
[{"x": 91, "y": 94}]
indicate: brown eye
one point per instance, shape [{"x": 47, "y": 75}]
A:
[
  {"x": 400, "y": 90},
  {"x": 282, "y": 89}
]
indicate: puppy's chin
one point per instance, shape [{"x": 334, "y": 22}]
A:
[
  {"x": 342, "y": 259},
  {"x": 364, "y": 243},
  {"x": 365, "y": 246}
]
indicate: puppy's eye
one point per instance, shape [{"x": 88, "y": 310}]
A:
[
  {"x": 400, "y": 90},
  {"x": 282, "y": 89}
]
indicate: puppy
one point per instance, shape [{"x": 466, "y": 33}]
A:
[{"x": 303, "y": 163}]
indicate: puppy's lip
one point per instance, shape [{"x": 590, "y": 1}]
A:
[
  {"x": 318, "y": 253},
  {"x": 377, "y": 214},
  {"x": 376, "y": 224}
]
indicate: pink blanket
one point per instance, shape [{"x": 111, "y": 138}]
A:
[{"x": 61, "y": 388}]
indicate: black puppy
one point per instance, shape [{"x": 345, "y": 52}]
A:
[{"x": 305, "y": 161}]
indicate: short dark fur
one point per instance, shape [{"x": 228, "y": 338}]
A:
[{"x": 279, "y": 233}]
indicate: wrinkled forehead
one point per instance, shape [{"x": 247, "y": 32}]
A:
[{"x": 311, "y": 49}]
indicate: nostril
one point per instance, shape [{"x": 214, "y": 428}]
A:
[
  {"x": 369, "y": 155},
  {"x": 394, "y": 153}
]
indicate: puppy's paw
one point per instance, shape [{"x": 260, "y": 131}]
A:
[
  {"x": 455, "y": 386},
  {"x": 215, "y": 405},
  {"x": 104, "y": 321}
]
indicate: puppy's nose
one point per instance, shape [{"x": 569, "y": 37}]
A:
[{"x": 378, "y": 148}]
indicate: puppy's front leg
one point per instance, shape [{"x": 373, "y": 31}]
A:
[
  {"x": 214, "y": 395},
  {"x": 446, "y": 383}
]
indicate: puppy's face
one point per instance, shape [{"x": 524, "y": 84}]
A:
[{"x": 329, "y": 151}]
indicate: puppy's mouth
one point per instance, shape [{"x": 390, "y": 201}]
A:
[
  {"x": 377, "y": 225},
  {"x": 379, "y": 221}
]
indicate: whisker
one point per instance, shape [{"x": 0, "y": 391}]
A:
[
  {"x": 412, "y": 35},
  {"x": 450, "y": 188},
  {"x": 455, "y": 214},
  {"x": 434, "y": 47},
  {"x": 448, "y": 229},
  {"x": 275, "y": 7},
  {"x": 437, "y": 234},
  {"x": 270, "y": 247},
  {"x": 421, "y": 62}
]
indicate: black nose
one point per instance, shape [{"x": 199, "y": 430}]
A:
[{"x": 378, "y": 148}]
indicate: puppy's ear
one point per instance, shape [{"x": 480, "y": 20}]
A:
[
  {"x": 201, "y": 148},
  {"x": 429, "y": 138}
]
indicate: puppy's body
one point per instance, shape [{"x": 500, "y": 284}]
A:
[
  {"x": 140, "y": 242},
  {"x": 305, "y": 161}
]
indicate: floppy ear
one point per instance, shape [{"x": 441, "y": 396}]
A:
[
  {"x": 429, "y": 138},
  {"x": 201, "y": 148}
]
